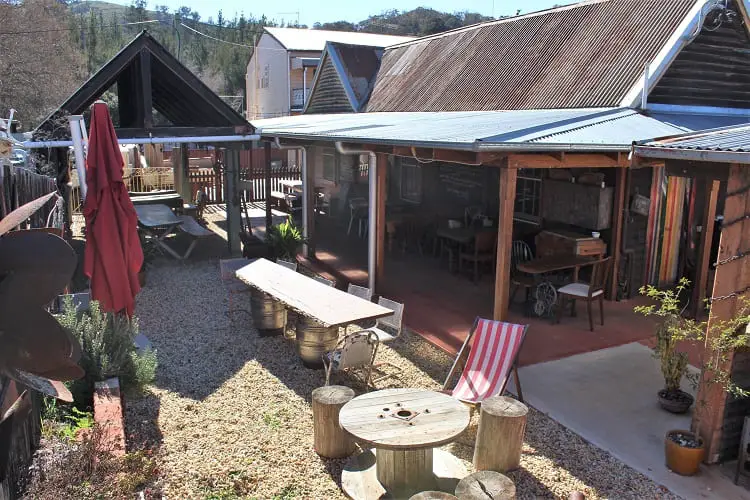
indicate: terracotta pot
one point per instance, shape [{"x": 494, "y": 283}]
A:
[{"x": 681, "y": 459}]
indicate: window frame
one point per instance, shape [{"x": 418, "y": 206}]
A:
[
  {"x": 334, "y": 158},
  {"x": 529, "y": 177},
  {"x": 416, "y": 168}
]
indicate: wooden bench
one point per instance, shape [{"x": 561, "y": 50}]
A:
[{"x": 190, "y": 226}]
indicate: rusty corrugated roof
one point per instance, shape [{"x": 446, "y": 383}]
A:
[{"x": 585, "y": 55}]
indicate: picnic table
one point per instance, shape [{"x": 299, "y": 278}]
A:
[
  {"x": 158, "y": 221},
  {"x": 322, "y": 308},
  {"x": 545, "y": 292},
  {"x": 405, "y": 426}
]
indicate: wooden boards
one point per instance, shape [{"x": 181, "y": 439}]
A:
[
  {"x": 401, "y": 419},
  {"x": 326, "y": 304},
  {"x": 330, "y": 439}
]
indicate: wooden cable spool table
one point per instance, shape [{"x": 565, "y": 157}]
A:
[{"x": 404, "y": 426}]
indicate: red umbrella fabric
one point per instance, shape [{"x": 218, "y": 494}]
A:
[{"x": 113, "y": 253}]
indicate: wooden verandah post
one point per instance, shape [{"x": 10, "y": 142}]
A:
[
  {"x": 507, "y": 200},
  {"x": 732, "y": 279},
  {"x": 380, "y": 232}
]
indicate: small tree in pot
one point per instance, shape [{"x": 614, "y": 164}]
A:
[
  {"x": 670, "y": 332},
  {"x": 684, "y": 449}
]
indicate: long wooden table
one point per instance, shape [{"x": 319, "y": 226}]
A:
[{"x": 327, "y": 305}]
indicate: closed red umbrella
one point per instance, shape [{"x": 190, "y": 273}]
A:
[{"x": 113, "y": 254}]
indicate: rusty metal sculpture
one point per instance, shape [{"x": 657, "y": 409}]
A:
[{"x": 35, "y": 351}]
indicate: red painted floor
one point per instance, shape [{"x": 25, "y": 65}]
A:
[{"x": 441, "y": 306}]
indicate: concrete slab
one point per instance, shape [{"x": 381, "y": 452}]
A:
[{"x": 609, "y": 398}]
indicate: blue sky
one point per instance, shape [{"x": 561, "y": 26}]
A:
[{"x": 311, "y": 11}]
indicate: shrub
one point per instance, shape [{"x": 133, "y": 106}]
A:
[
  {"x": 108, "y": 349},
  {"x": 284, "y": 240}
]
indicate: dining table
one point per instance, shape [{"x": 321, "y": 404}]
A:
[
  {"x": 321, "y": 308},
  {"x": 403, "y": 429},
  {"x": 545, "y": 293}
]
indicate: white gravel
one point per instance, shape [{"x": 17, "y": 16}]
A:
[{"x": 230, "y": 412}]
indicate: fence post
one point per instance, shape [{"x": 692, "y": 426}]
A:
[{"x": 267, "y": 180}]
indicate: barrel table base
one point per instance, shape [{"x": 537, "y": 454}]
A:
[
  {"x": 359, "y": 478},
  {"x": 269, "y": 315},
  {"x": 314, "y": 340}
]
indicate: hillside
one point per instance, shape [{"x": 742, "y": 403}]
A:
[{"x": 85, "y": 35}]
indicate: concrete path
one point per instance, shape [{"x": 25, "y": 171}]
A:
[{"x": 609, "y": 398}]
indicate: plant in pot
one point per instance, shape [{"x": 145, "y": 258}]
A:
[
  {"x": 670, "y": 332},
  {"x": 684, "y": 449},
  {"x": 284, "y": 240}
]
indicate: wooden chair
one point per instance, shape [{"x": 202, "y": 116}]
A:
[
  {"x": 588, "y": 292},
  {"x": 354, "y": 352},
  {"x": 287, "y": 264},
  {"x": 483, "y": 251},
  {"x": 520, "y": 252},
  {"x": 487, "y": 362}
]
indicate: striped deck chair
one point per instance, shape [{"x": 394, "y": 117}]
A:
[{"x": 487, "y": 363}]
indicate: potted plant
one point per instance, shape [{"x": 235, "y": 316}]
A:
[
  {"x": 684, "y": 449},
  {"x": 671, "y": 330},
  {"x": 284, "y": 240}
]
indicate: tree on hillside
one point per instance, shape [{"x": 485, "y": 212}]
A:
[
  {"x": 419, "y": 22},
  {"x": 41, "y": 67}
]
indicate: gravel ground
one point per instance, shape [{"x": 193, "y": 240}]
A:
[{"x": 230, "y": 412}]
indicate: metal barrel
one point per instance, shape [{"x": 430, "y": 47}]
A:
[
  {"x": 269, "y": 315},
  {"x": 313, "y": 340}
]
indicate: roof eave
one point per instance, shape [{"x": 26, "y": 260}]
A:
[{"x": 667, "y": 153}]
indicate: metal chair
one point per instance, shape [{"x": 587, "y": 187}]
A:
[
  {"x": 355, "y": 212},
  {"x": 472, "y": 214},
  {"x": 325, "y": 281},
  {"x": 353, "y": 353},
  {"x": 590, "y": 292},
  {"x": 227, "y": 269},
  {"x": 359, "y": 291},
  {"x": 389, "y": 328},
  {"x": 520, "y": 252},
  {"x": 287, "y": 264}
]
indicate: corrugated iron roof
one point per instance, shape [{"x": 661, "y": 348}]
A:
[
  {"x": 585, "y": 55},
  {"x": 315, "y": 40},
  {"x": 611, "y": 129}
]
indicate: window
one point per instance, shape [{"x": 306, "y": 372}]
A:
[
  {"x": 528, "y": 195},
  {"x": 263, "y": 81},
  {"x": 329, "y": 164},
  {"x": 411, "y": 180}
]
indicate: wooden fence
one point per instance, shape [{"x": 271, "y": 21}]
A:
[
  {"x": 24, "y": 439},
  {"x": 212, "y": 182}
]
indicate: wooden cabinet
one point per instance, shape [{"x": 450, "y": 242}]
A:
[
  {"x": 577, "y": 204},
  {"x": 549, "y": 243}
]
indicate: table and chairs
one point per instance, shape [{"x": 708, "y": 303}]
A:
[{"x": 157, "y": 222}]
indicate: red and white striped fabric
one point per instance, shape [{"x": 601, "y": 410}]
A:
[{"x": 493, "y": 351}]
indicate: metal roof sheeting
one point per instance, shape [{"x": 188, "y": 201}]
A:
[
  {"x": 315, "y": 40},
  {"x": 729, "y": 144},
  {"x": 585, "y": 55},
  {"x": 612, "y": 129}
]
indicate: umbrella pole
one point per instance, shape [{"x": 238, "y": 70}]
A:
[{"x": 76, "y": 128}]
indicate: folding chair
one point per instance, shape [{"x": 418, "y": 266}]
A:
[
  {"x": 354, "y": 352},
  {"x": 487, "y": 362}
]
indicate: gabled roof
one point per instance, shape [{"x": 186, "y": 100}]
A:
[
  {"x": 315, "y": 40},
  {"x": 727, "y": 144},
  {"x": 147, "y": 76},
  {"x": 345, "y": 78},
  {"x": 590, "y": 54},
  {"x": 611, "y": 129}
]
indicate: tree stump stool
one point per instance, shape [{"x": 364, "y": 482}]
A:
[
  {"x": 485, "y": 485},
  {"x": 502, "y": 423},
  {"x": 433, "y": 495},
  {"x": 331, "y": 441}
]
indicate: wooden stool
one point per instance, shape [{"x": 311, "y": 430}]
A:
[
  {"x": 331, "y": 441},
  {"x": 502, "y": 423},
  {"x": 433, "y": 495},
  {"x": 486, "y": 484}
]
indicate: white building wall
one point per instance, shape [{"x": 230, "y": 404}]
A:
[{"x": 267, "y": 80}]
